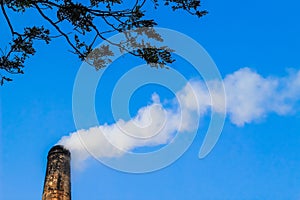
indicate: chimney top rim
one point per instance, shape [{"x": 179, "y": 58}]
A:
[{"x": 59, "y": 149}]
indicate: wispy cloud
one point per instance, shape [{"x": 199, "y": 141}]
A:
[{"x": 249, "y": 97}]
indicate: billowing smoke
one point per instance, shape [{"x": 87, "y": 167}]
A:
[
  {"x": 249, "y": 97},
  {"x": 152, "y": 126}
]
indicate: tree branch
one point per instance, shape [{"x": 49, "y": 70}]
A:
[
  {"x": 7, "y": 20},
  {"x": 58, "y": 29}
]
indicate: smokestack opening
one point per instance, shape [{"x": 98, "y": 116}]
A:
[{"x": 59, "y": 149}]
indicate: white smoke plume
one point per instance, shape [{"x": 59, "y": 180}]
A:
[{"x": 249, "y": 97}]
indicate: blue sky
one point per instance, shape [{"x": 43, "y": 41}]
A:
[{"x": 259, "y": 160}]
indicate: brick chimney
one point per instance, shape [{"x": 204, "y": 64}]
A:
[{"x": 57, "y": 185}]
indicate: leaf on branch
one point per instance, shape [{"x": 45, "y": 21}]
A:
[
  {"x": 99, "y": 57},
  {"x": 77, "y": 14},
  {"x": 156, "y": 57}
]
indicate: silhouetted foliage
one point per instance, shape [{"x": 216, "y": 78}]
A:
[{"x": 81, "y": 24}]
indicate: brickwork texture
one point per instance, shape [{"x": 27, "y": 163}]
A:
[{"x": 57, "y": 185}]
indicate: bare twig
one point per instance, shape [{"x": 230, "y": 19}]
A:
[
  {"x": 7, "y": 20},
  {"x": 58, "y": 29}
]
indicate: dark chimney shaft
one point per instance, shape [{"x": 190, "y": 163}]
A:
[{"x": 57, "y": 185}]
